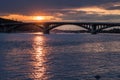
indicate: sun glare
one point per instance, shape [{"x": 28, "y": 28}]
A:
[{"x": 39, "y": 18}]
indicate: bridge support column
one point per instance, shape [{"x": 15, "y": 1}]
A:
[
  {"x": 94, "y": 29},
  {"x": 46, "y": 32}
]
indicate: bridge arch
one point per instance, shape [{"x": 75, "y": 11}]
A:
[
  {"x": 108, "y": 27},
  {"x": 76, "y": 25},
  {"x": 73, "y": 26},
  {"x": 67, "y": 28},
  {"x": 111, "y": 29}
]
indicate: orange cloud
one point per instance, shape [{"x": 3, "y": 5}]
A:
[
  {"x": 29, "y": 18},
  {"x": 96, "y": 10},
  {"x": 100, "y": 11}
]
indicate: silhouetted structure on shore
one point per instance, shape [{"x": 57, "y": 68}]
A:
[
  {"x": 27, "y": 28},
  {"x": 2, "y": 21}
]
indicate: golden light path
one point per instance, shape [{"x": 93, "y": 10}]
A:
[{"x": 39, "y": 59}]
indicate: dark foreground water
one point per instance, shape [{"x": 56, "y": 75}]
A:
[{"x": 59, "y": 56}]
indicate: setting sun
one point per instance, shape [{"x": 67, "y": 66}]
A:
[{"x": 39, "y": 18}]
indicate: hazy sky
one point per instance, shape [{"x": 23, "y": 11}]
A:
[{"x": 80, "y": 10}]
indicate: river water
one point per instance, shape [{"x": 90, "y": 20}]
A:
[{"x": 27, "y": 56}]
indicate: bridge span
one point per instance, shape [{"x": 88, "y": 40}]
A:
[{"x": 92, "y": 27}]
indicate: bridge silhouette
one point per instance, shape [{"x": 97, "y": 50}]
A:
[{"x": 46, "y": 27}]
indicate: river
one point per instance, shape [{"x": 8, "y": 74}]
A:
[{"x": 28, "y": 56}]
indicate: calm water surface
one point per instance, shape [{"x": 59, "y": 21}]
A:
[{"x": 59, "y": 56}]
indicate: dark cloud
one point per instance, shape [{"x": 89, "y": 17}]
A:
[
  {"x": 85, "y": 17},
  {"x": 29, "y": 6},
  {"x": 60, "y": 8}
]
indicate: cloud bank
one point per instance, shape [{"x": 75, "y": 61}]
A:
[{"x": 76, "y": 10}]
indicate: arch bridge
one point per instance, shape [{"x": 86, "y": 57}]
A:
[{"x": 92, "y": 27}]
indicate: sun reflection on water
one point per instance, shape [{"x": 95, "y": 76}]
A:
[{"x": 39, "y": 55}]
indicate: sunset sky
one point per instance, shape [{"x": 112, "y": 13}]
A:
[{"x": 59, "y": 10}]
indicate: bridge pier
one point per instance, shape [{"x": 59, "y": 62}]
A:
[
  {"x": 46, "y": 32},
  {"x": 94, "y": 29}
]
